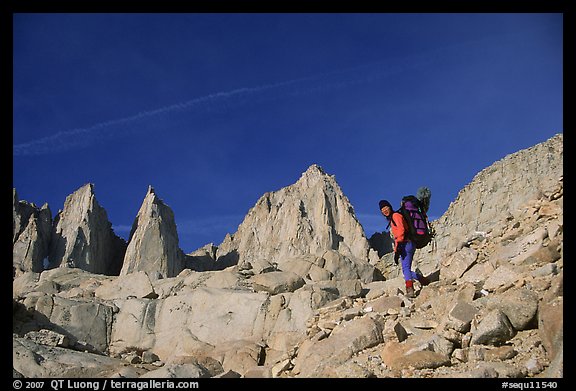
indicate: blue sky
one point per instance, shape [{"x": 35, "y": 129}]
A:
[{"x": 214, "y": 110}]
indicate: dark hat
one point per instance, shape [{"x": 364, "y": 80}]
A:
[{"x": 383, "y": 203}]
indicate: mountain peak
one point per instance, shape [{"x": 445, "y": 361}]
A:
[
  {"x": 313, "y": 174},
  {"x": 314, "y": 169},
  {"x": 311, "y": 216}
]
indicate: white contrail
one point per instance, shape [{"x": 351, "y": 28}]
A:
[
  {"x": 224, "y": 101},
  {"x": 218, "y": 102}
]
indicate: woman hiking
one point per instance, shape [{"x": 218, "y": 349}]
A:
[{"x": 404, "y": 248}]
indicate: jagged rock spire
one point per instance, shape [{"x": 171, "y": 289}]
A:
[
  {"x": 153, "y": 243},
  {"x": 82, "y": 236}
]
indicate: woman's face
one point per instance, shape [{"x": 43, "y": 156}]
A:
[{"x": 386, "y": 210}]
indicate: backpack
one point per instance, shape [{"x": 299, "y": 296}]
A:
[{"x": 414, "y": 212}]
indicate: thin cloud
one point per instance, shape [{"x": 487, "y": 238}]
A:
[
  {"x": 228, "y": 100},
  {"x": 122, "y": 228},
  {"x": 372, "y": 223},
  {"x": 217, "y": 102},
  {"x": 210, "y": 225}
]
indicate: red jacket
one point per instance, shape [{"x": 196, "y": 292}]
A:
[{"x": 399, "y": 229}]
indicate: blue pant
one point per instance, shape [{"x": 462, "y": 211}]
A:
[{"x": 406, "y": 251}]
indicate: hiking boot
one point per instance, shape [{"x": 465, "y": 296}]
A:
[{"x": 410, "y": 290}]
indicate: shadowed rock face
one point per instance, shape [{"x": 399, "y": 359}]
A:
[
  {"x": 309, "y": 217},
  {"x": 153, "y": 244},
  {"x": 82, "y": 236}
]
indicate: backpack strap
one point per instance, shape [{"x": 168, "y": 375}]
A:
[{"x": 392, "y": 220}]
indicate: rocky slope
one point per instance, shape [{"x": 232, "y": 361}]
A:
[{"x": 319, "y": 303}]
